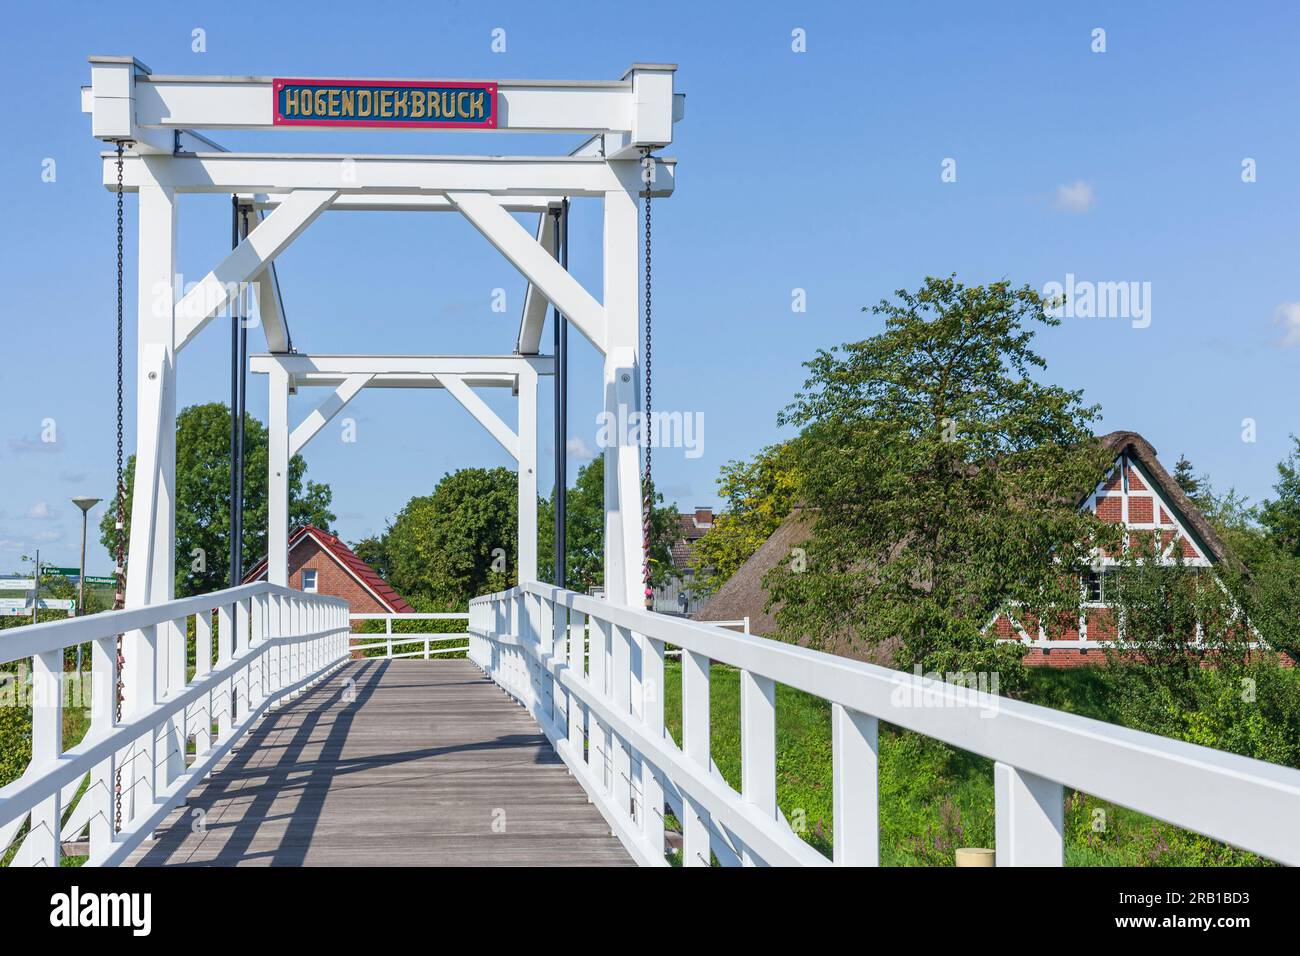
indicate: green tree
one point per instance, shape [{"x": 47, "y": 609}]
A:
[
  {"x": 757, "y": 495},
  {"x": 1281, "y": 515},
  {"x": 374, "y": 551},
  {"x": 1185, "y": 476},
  {"x": 458, "y": 542},
  {"x": 945, "y": 483},
  {"x": 203, "y": 498},
  {"x": 585, "y": 531}
]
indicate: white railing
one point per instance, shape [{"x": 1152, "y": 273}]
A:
[
  {"x": 271, "y": 644},
  {"x": 606, "y": 721},
  {"x": 388, "y": 640}
]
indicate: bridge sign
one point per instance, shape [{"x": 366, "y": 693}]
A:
[{"x": 428, "y": 104}]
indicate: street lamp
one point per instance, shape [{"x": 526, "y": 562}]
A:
[{"x": 85, "y": 504}]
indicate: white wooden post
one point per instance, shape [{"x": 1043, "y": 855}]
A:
[
  {"x": 757, "y": 747},
  {"x": 1030, "y": 824},
  {"x": 696, "y": 847},
  {"x": 527, "y": 545},
  {"x": 277, "y": 510},
  {"x": 623, "y": 583},
  {"x": 47, "y": 745},
  {"x": 150, "y": 557},
  {"x": 855, "y": 760},
  {"x": 388, "y": 630}
]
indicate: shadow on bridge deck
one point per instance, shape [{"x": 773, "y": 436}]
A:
[{"x": 430, "y": 765}]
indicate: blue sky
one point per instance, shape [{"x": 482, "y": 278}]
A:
[{"x": 818, "y": 170}]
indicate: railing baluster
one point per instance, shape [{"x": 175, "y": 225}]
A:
[
  {"x": 621, "y": 692},
  {"x": 240, "y": 686},
  {"x": 103, "y": 718},
  {"x": 695, "y": 744},
  {"x": 202, "y": 667},
  {"x": 652, "y": 715},
  {"x": 171, "y": 679},
  {"x": 225, "y": 693},
  {"x": 560, "y": 655},
  {"x": 142, "y": 778},
  {"x": 45, "y": 848},
  {"x": 757, "y": 747},
  {"x": 855, "y": 774},
  {"x": 1030, "y": 825},
  {"x": 598, "y": 755},
  {"x": 577, "y": 628}
]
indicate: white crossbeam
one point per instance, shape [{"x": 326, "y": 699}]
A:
[
  {"x": 489, "y": 419},
  {"x": 407, "y": 202},
  {"x": 325, "y": 411},
  {"x": 299, "y": 364},
  {"x": 246, "y": 260},
  {"x": 538, "y": 266},
  {"x": 506, "y": 176},
  {"x": 547, "y": 106}
]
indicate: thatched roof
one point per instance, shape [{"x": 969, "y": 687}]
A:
[{"x": 743, "y": 594}]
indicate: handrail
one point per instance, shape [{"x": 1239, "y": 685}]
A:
[
  {"x": 526, "y": 640},
  {"x": 389, "y": 638},
  {"x": 271, "y": 643}
]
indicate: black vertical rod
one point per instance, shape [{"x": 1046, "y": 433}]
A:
[
  {"x": 561, "y": 226},
  {"x": 243, "y": 408},
  {"x": 234, "y": 409}
]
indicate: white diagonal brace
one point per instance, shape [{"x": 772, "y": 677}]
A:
[
  {"x": 489, "y": 419},
  {"x": 535, "y": 304},
  {"x": 538, "y": 266},
  {"x": 272, "y": 235},
  {"x": 325, "y": 411}
]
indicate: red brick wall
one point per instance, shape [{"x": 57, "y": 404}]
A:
[{"x": 331, "y": 579}]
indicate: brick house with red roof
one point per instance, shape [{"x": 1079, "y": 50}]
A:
[{"x": 320, "y": 563}]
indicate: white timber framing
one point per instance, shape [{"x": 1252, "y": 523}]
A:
[
  {"x": 458, "y": 375},
  {"x": 618, "y": 120}
]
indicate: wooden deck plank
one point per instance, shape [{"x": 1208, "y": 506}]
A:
[{"x": 430, "y": 765}]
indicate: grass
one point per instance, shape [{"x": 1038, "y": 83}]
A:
[{"x": 934, "y": 798}]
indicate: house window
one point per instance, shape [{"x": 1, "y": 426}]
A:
[
  {"x": 309, "y": 580},
  {"x": 1092, "y": 586}
]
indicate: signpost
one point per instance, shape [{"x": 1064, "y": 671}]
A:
[
  {"x": 14, "y": 607},
  {"x": 17, "y": 584},
  {"x": 411, "y": 104}
]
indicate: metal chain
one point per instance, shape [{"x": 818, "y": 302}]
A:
[
  {"x": 647, "y": 494},
  {"x": 119, "y": 599}
]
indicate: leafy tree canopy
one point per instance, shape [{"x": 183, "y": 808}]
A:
[
  {"x": 945, "y": 482},
  {"x": 458, "y": 542},
  {"x": 585, "y": 532},
  {"x": 757, "y": 496},
  {"x": 1281, "y": 515},
  {"x": 203, "y": 498}
]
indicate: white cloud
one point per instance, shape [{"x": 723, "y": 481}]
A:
[
  {"x": 45, "y": 537},
  {"x": 1075, "y": 197},
  {"x": 40, "y": 510},
  {"x": 578, "y": 448},
  {"x": 1287, "y": 317}
]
